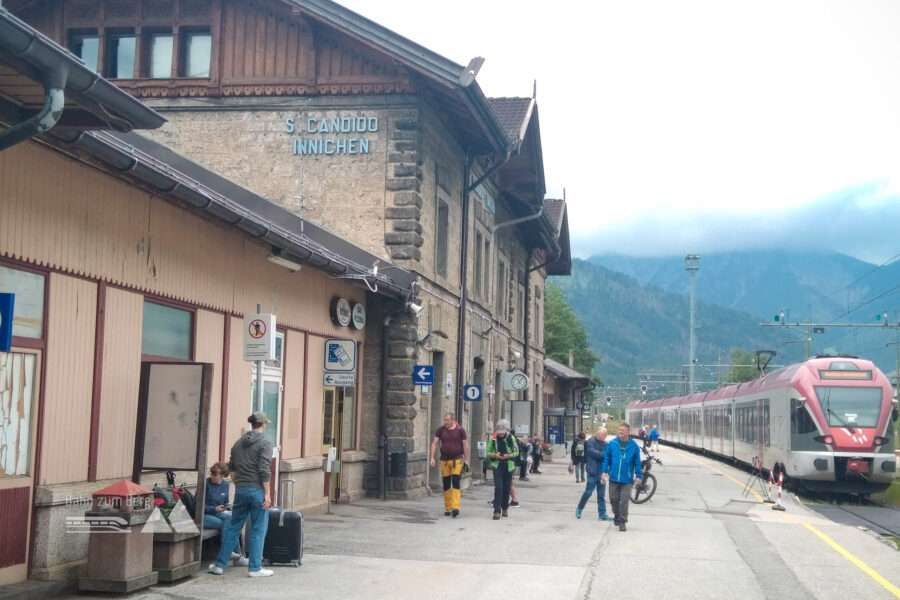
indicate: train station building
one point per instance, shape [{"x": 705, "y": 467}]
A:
[{"x": 216, "y": 156}]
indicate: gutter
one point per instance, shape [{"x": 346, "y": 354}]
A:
[
  {"x": 204, "y": 192},
  {"x": 60, "y": 71},
  {"x": 54, "y": 100}
]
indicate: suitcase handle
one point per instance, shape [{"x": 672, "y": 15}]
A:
[{"x": 284, "y": 483}]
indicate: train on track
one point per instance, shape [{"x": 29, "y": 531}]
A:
[{"x": 825, "y": 423}]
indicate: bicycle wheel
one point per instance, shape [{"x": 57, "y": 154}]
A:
[{"x": 644, "y": 491}]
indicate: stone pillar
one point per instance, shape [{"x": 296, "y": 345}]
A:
[{"x": 402, "y": 407}]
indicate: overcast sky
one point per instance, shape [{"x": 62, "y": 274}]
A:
[{"x": 697, "y": 125}]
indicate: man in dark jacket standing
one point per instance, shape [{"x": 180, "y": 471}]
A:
[
  {"x": 250, "y": 466},
  {"x": 593, "y": 452},
  {"x": 622, "y": 468}
]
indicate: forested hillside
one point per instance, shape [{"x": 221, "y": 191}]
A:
[{"x": 634, "y": 327}]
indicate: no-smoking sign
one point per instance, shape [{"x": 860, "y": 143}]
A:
[
  {"x": 257, "y": 329},
  {"x": 259, "y": 337}
]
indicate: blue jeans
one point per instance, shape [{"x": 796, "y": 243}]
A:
[
  {"x": 247, "y": 503},
  {"x": 593, "y": 481},
  {"x": 220, "y": 521},
  {"x": 579, "y": 470}
]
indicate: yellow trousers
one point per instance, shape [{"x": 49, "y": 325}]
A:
[{"x": 450, "y": 472}]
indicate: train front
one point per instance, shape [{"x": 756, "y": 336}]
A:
[{"x": 841, "y": 427}]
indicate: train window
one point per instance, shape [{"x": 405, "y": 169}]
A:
[
  {"x": 850, "y": 406},
  {"x": 801, "y": 420}
]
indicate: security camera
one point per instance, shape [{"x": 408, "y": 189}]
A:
[{"x": 414, "y": 308}]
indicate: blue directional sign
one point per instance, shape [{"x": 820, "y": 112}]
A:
[
  {"x": 472, "y": 393},
  {"x": 423, "y": 375},
  {"x": 6, "y": 321}
]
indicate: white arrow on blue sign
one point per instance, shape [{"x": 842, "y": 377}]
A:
[
  {"x": 472, "y": 393},
  {"x": 423, "y": 375}
]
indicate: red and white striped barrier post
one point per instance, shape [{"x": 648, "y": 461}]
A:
[
  {"x": 768, "y": 499},
  {"x": 777, "y": 505}
]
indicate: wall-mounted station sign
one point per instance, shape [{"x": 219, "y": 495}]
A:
[{"x": 328, "y": 135}]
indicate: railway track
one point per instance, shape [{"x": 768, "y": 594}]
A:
[{"x": 883, "y": 520}]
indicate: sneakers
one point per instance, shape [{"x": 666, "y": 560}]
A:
[
  {"x": 455, "y": 512},
  {"x": 621, "y": 526},
  {"x": 239, "y": 561},
  {"x": 514, "y": 503},
  {"x": 524, "y": 479},
  {"x": 496, "y": 516},
  {"x": 577, "y": 513},
  {"x": 215, "y": 569},
  {"x": 446, "y": 513},
  {"x": 261, "y": 573},
  {"x": 605, "y": 518},
  {"x": 505, "y": 513}
]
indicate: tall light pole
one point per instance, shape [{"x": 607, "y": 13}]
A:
[{"x": 692, "y": 265}]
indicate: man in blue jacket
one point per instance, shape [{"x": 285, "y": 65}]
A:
[
  {"x": 622, "y": 468},
  {"x": 594, "y": 450}
]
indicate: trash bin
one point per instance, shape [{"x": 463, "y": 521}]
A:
[{"x": 398, "y": 464}]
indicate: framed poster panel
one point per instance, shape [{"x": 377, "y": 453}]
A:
[{"x": 172, "y": 416}]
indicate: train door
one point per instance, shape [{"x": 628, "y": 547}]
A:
[
  {"x": 729, "y": 428},
  {"x": 761, "y": 431},
  {"x": 19, "y": 378}
]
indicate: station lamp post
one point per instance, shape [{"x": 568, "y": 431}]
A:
[{"x": 692, "y": 265}]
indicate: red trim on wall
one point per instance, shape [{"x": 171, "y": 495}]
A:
[
  {"x": 303, "y": 411},
  {"x": 284, "y": 346},
  {"x": 100, "y": 327},
  {"x": 226, "y": 364}
]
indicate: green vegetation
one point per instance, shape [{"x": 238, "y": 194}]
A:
[
  {"x": 742, "y": 367},
  {"x": 890, "y": 496},
  {"x": 564, "y": 331}
]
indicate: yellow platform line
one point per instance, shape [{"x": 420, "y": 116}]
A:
[{"x": 837, "y": 547}]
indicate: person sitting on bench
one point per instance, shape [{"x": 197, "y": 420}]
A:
[{"x": 217, "y": 509}]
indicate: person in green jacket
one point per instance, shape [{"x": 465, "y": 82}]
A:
[{"x": 502, "y": 450}]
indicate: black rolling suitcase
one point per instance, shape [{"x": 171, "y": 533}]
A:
[{"x": 284, "y": 539}]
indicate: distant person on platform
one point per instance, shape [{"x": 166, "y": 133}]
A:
[
  {"x": 594, "y": 449},
  {"x": 454, "y": 454},
  {"x": 579, "y": 456},
  {"x": 537, "y": 454},
  {"x": 250, "y": 466},
  {"x": 622, "y": 469},
  {"x": 502, "y": 450},
  {"x": 654, "y": 439}
]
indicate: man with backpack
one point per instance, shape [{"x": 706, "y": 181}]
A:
[
  {"x": 454, "y": 455},
  {"x": 578, "y": 457},
  {"x": 593, "y": 450}
]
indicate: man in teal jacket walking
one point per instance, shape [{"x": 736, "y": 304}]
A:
[{"x": 622, "y": 468}]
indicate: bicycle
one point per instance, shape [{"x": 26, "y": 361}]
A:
[{"x": 643, "y": 491}]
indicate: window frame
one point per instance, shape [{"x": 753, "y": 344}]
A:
[
  {"x": 193, "y": 331},
  {"x": 111, "y": 54}
]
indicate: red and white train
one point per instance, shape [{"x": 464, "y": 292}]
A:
[{"x": 826, "y": 423}]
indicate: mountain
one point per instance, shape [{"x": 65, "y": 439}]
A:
[
  {"x": 636, "y": 310},
  {"x": 638, "y": 328},
  {"x": 820, "y": 286}
]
